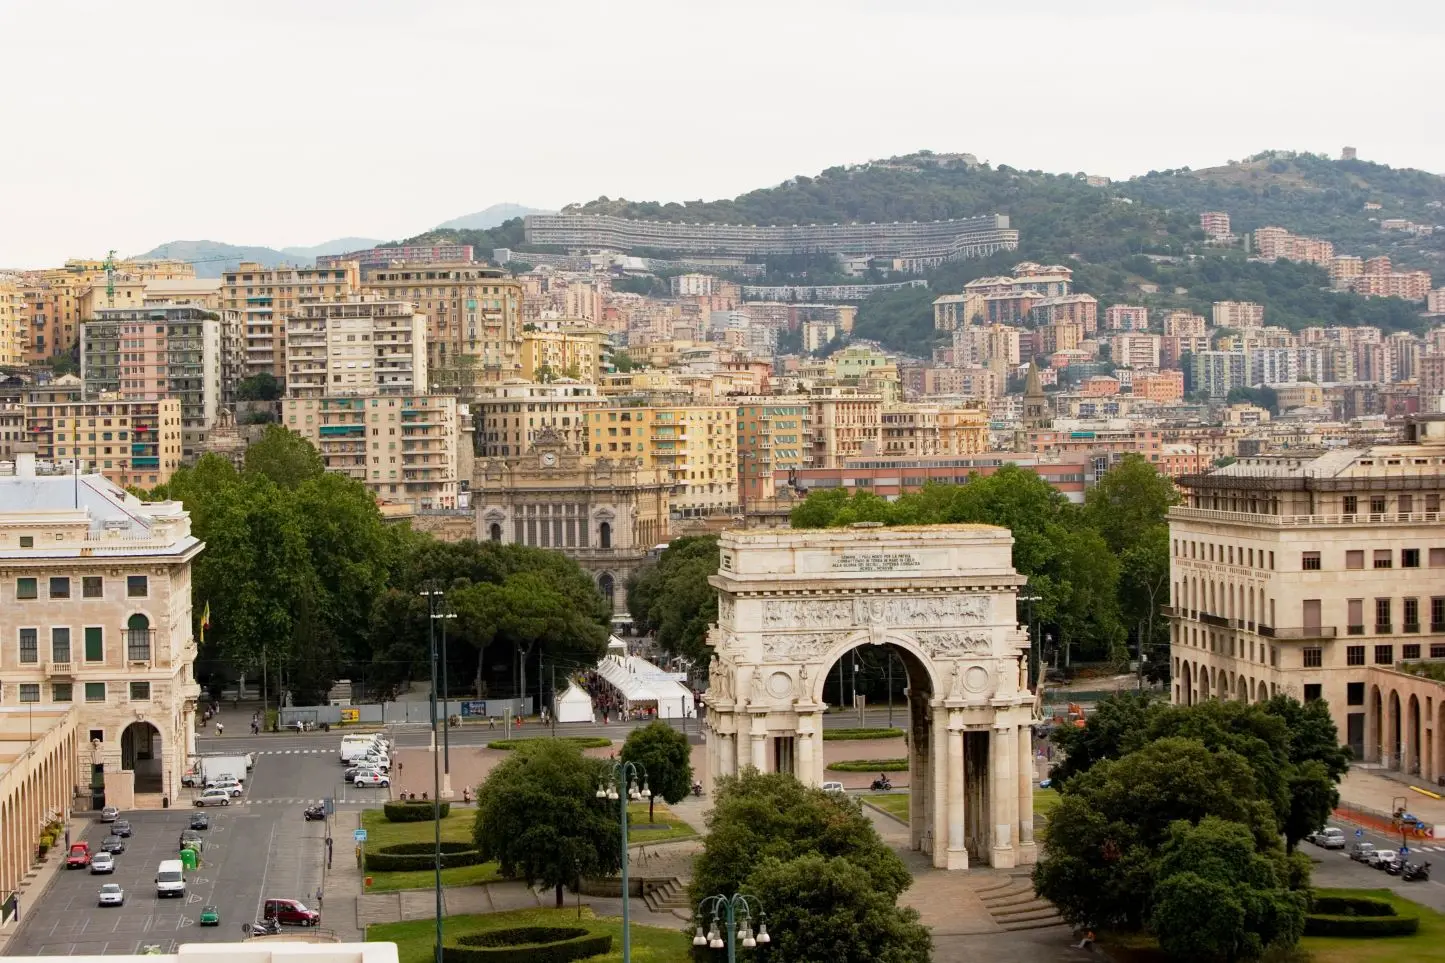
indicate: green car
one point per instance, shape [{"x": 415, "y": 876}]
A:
[{"x": 210, "y": 916}]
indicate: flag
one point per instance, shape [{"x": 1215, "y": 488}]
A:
[{"x": 205, "y": 621}]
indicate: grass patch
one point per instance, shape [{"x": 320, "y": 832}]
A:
[
  {"x": 1428, "y": 943},
  {"x": 869, "y": 765},
  {"x": 1045, "y": 802},
  {"x": 892, "y": 803},
  {"x": 581, "y": 742},
  {"x": 649, "y": 943},
  {"x": 456, "y": 827},
  {"x": 662, "y": 816},
  {"x": 848, "y": 735}
]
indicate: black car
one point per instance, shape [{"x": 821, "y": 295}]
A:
[
  {"x": 113, "y": 844},
  {"x": 200, "y": 821},
  {"x": 190, "y": 836},
  {"x": 121, "y": 827}
]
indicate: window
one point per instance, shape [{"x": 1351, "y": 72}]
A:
[
  {"x": 26, "y": 588},
  {"x": 1310, "y": 561},
  {"x": 1384, "y": 654},
  {"x": 1354, "y": 693},
  {"x": 1355, "y": 655},
  {"x": 29, "y": 646},
  {"x": 1352, "y": 504},
  {"x": 1437, "y": 558},
  {"x": 60, "y": 587},
  {"x": 1382, "y": 615},
  {"x": 140, "y": 692},
  {"x": 29, "y": 692},
  {"x": 1355, "y": 559},
  {"x": 137, "y": 586},
  {"x": 96, "y": 735},
  {"x": 1410, "y": 652},
  {"x": 92, "y": 587},
  {"x": 95, "y": 692},
  {"x": 1314, "y": 657},
  {"x": 61, "y": 692},
  {"x": 1377, "y": 504},
  {"x": 1384, "y": 558},
  {"x": 1312, "y": 691},
  {"x": 60, "y": 645},
  {"x": 1412, "y": 615},
  {"x": 1437, "y": 651},
  {"x": 1356, "y": 619},
  {"x": 94, "y": 643},
  {"x": 1437, "y": 614},
  {"x": 1271, "y": 561},
  {"x": 1432, "y": 503},
  {"x": 1409, "y": 558}
]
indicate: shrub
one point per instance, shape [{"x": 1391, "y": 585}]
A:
[
  {"x": 1357, "y": 916},
  {"x": 409, "y": 857},
  {"x": 840, "y": 735},
  {"x": 581, "y": 742},
  {"x": 869, "y": 765},
  {"x": 412, "y": 812},
  {"x": 528, "y": 944},
  {"x": 1351, "y": 906}
]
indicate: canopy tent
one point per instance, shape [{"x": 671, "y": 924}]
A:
[
  {"x": 639, "y": 682},
  {"x": 574, "y": 705}
]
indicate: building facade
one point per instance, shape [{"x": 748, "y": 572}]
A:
[
  {"x": 696, "y": 445},
  {"x": 131, "y": 443},
  {"x": 774, "y": 434},
  {"x": 265, "y": 297},
  {"x": 355, "y": 347},
  {"x": 511, "y": 415}
]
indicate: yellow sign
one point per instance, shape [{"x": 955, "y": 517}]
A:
[{"x": 350, "y": 715}]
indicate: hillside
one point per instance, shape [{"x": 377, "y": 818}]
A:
[
  {"x": 214, "y": 258},
  {"x": 489, "y": 218}
]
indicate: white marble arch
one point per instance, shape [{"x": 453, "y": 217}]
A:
[{"x": 792, "y": 603}]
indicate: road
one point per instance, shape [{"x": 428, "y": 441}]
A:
[{"x": 1334, "y": 868}]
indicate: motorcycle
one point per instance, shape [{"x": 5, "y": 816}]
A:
[
  {"x": 1398, "y": 867},
  {"x": 315, "y": 812},
  {"x": 265, "y": 927},
  {"x": 697, "y": 789},
  {"x": 881, "y": 784},
  {"x": 1416, "y": 872}
]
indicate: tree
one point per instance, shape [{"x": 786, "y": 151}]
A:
[
  {"x": 1115, "y": 727},
  {"x": 760, "y": 815},
  {"x": 622, "y": 361},
  {"x": 823, "y": 910},
  {"x": 672, "y": 598},
  {"x": 665, "y": 755},
  {"x": 539, "y": 817},
  {"x": 1130, "y": 500},
  {"x": 285, "y": 458},
  {"x": 259, "y": 387}
]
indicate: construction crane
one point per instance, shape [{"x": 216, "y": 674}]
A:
[{"x": 110, "y": 279}]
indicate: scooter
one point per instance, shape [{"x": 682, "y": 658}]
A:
[
  {"x": 315, "y": 812},
  {"x": 881, "y": 785},
  {"x": 697, "y": 789},
  {"x": 266, "y": 927},
  {"x": 1398, "y": 867},
  {"x": 1415, "y": 872}
]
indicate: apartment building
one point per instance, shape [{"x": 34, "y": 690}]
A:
[
  {"x": 266, "y": 297},
  {"x": 1435, "y": 301},
  {"x": 130, "y": 443},
  {"x": 1215, "y": 372},
  {"x": 359, "y": 346},
  {"x": 511, "y": 416},
  {"x": 1215, "y": 225},
  {"x": 569, "y": 351},
  {"x": 95, "y": 613},
  {"x": 474, "y": 318},
  {"x": 1238, "y": 314},
  {"x": 932, "y": 429},
  {"x": 1275, "y": 243},
  {"x": 163, "y": 351},
  {"x": 406, "y": 449},
  {"x": 692, "y": 285},
  {"x": 890, "y": 477},
  {"x": 1059, "y": 336},
  {"x": 450, "y": 253},
  {"x": 1409, "y": 285},
  {"x": 1182, "y": 324},
  {"x": 1135, "y": 350},
  {"x": 1165, "y": 387},
  {"x": 774, "y": 434},
  {"x": 1311, "y": 574},
  {"x": 1080, "y": 309},
  {"x": 846, "y": 418},
  {"x": 14, "y": 323},
  {"x": 1126, "y": 317},
  {"x": 695, "y": 444},
  {"x": 1344, "y": 266}
]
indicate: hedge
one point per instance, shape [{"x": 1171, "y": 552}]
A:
[
  {"x": 869, "y": 765},
  {"x": 1351, "y": 906},
  {"x": 528, "y": 944},
  {"x": 581, "y": 742},
  {"x": 412, "y": 812},
  {"x": 407, "y": 857},
  {"x": 1357, "y": 916},
  {"x": 839, "y": 735}
]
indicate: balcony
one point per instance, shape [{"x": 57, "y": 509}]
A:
[
  {"x": 1355, "y": 630},
  {"x": 1210, "y": 618},
  {"x": 60, "y": 670},
  {"x": 1412, "y": 626},
  {"x": 1300, "y": 632}
]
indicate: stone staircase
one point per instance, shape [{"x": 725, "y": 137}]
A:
[
  {"x": 666, "y": 896},
  {"x": 1012, "y": 903}
]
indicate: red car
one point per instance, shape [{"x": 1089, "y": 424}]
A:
[
  {"x": 291, "y": 912},
  {"x": 79, "y": 856}
]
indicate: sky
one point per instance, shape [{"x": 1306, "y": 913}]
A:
[{"x": 290, "y": 122}]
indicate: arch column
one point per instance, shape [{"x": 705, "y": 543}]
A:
[
  {"x": 957, "y": 855},
  {"x": 758, "y": 730},
  {"x": 1003, "y": 798},
  {"x": 809, "y": 763},
  {"x": 1028, "y": 850}
]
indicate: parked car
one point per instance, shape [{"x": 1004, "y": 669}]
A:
[
  {"x": 210, "y": 916},
  {"x": 291, "y": 912},
  {"x": 835, "y": 787},
  {"x": 192, "y": 839},
  {"x": 78, "y": 857},
  {"x": 111, "y": 895},
  {"x": 1331, "y": 837},
  {"x": 214, "y": 797},
  {"x": 1360, "y": 852},
  {"x": 372, "y": 778},
  {"x": 113, "y": 844},
  {"x": 109, "y": 814},
  {"x": 121, "y": 827},
  {"x": 229, "y": 785},
  {"x": 352, "y": 772},
  {"x": 102, "y": 863},
  {"x": 200, "y": 821}
]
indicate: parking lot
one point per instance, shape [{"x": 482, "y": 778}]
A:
[{"x": 1335, "y": 868}]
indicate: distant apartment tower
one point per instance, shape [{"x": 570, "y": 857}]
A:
[
  {"x": 1215, "y": 224},
  {"x": 1238, "y": 314},
  {"x": 1435, "y": 301},
  {"x": 1275, "y": 243},
  {"x": 774, "y": 434},
  {"x": 356, "y": 347},
  {"x": 1126, "y": 317},
  {"x": 692, "y": 285},
  {"x": 404, "y": 252},
  {"x": 1179, "y": 324},
  {"x": 1215, "y": 372},
  {"x": 510, "y": 416},
  {"x": 266, "y": 297},
  {"x": 132, "y": 443},
  {"x": 14, "y": 330},
  {"x": 1135, "y": 350}
]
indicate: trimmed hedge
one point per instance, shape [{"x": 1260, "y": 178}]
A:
[
  {"x": 408, "y": 857},
  {"x": 581, "y": 742},
  {"x": 412, "y": 812},
  {"x": 528, "y": 944},
  {"x": 841, "y": 735},
  {"x": 1357, "y": 916},
  {"x": 869, "y": 765}
]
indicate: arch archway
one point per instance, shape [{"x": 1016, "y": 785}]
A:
[
  {"x": 1392, "y": 731},
  {"x": 607, "y": 585},
  {"x": 1412, "y": 736},
  {"x": 1374, "y": 726},
  {"x": 494, "y": 532},
  {"x": 1241, "y": 692},
  {"x": 1187, "y": 683},
  {"x": 138, "y": 638},
  {"x": 140, "y": 752},
  {"x": 604, "y": 535}
]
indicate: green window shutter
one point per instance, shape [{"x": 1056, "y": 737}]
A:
[{"x": 94, "y": 644}]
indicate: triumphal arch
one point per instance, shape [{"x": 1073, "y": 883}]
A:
[{"x": 791, "y": 603}]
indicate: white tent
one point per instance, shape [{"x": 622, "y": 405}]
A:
[
  {"x": 642, "y": 683},
  {"x": 574, "y": 705}
]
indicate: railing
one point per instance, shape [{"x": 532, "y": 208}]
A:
[
  {"x": 55, "y": 668},
  {"x": 1355, "y": 630},
  {"x": 1212, "y": 619},
  {"x": 1299, "y": 632},
  {"x": 1305, "y": 521}
]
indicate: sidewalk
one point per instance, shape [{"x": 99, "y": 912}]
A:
[
  {"x": 342, "y": 882},
  {"x": 1380, "y": 789},
  {"x": 37, "y": 879}
]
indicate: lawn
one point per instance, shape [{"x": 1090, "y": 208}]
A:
[
  {"x": 455, "y": 827},
  {"x": 414, "y": 939},
  {"x": 662, "y": 816},
  {"x": 892, "y": 803},
  {"x": 1045, "y": 802}
]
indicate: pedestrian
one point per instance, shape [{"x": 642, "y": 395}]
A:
[
  {"x": 219, "y": 728},
  {"x": 491, "y": 722}
]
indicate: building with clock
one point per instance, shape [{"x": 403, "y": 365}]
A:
[{"x": 606, "y": 513}]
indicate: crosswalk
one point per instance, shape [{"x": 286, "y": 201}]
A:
[
  {"x": 343, "y": 801},
  {"x": 292, "y": 752}
]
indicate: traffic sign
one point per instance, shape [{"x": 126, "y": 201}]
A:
[
  {"x": 330, "y": 805},
  {"x": 1404, "y": 850},
  {"x": 1359, "y": 833},
  {"x": 359, "y": 835}
]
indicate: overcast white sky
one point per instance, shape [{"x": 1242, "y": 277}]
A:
[{"x": 289, "y": 122}]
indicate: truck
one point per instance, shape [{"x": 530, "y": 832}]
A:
[{"x": 206, "y": 768}]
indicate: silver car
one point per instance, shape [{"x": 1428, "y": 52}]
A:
[
  {"x": 112, "y": 895},
  {"x": 102, "y": 862}
]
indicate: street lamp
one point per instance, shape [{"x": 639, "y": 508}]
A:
[
  {"x": 737, "y": 929},
  {"x": 623, "y": 788},
  {"x": 443, "y": 614},
  {"x": 432, "y": 593},
  {"x": 1033, "y": 643}
]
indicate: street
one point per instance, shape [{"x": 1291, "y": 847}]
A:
[{"x": 1334, "y": 868}]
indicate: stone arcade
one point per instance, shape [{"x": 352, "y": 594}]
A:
[{"x": 791, "y": 603}]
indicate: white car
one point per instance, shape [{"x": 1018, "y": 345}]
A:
[
  {"x": 229, "y": 786},
  {"x": 112, "y": 895},
  {"x": 102, "y": 862},
  {"x": 834, "y": 787},
  {"x": 214, "y": 797},
  {"x": 1331, "y": 837},
  {"x": 372, "y": 778}
]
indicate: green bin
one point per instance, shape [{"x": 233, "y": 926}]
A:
[{"x": 188, "y": 858}]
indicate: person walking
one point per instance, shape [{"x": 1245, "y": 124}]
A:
[{"x": 219, "y": 728}]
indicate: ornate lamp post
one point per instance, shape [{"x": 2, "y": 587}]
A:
[
  {"x": 623, "y": 787},
  {"x": 736, "y": 914},
  {"x": 1033, "y": 642},
  {"x": 432, "y": 593}
]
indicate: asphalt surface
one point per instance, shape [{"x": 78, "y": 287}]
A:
[{"x": 1334, "y": 868}]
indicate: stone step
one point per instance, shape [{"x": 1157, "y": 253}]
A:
[
  {"x": 996, "y": 887},
  {"x": 1040, "y": 924},
  {"x": 667, "y": 896},
  {"x": 1024, "y": 911},
  {"x": 1015, "y": 898}
]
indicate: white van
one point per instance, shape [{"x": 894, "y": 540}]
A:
[
  {"x": 354, "y": 747},
  {"x": 170, "y": 878}
]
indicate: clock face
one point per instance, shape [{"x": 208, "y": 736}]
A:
[{"x": 549, "y": 459}]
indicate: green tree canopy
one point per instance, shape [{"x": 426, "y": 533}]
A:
[
  {"x": 665, "y": 755},
  {"x": 672, "y": 598},
  {"x": 259, "y": 387},
  {"x": 284, "y": 457}
]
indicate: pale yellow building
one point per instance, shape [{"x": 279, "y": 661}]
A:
[
  {"x": 846, "y": 420},
  {"x": 131, "y": 443},
  {"x": 474, "y": 315},
  {"x": 775, "y": 433},
  {"x": 405, "y": 448},
  {"x": 266, "y": 297},
  {"x": 695, "y": 444},
  {"x": 359, "y": 346},
  {"x": 14, "y": 327},
  {"x": 924, "y": 429},
  {"x": 567, "y": 351},
  {"x": 510, "y": 416}
]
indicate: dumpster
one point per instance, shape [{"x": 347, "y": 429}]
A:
[{"x": 189, "y": 858}]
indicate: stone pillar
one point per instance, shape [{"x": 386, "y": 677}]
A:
[
  {"x": 936, "y": 841},
  {"x": 957, "y": 856},
  {"x": 804, "y": 764},
  {"x": 1003, "y": 748},
  {"x": 1028, "y": 851},
  {"x": 760, "y": 742},
  {"x": 728, "y": 754}
]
